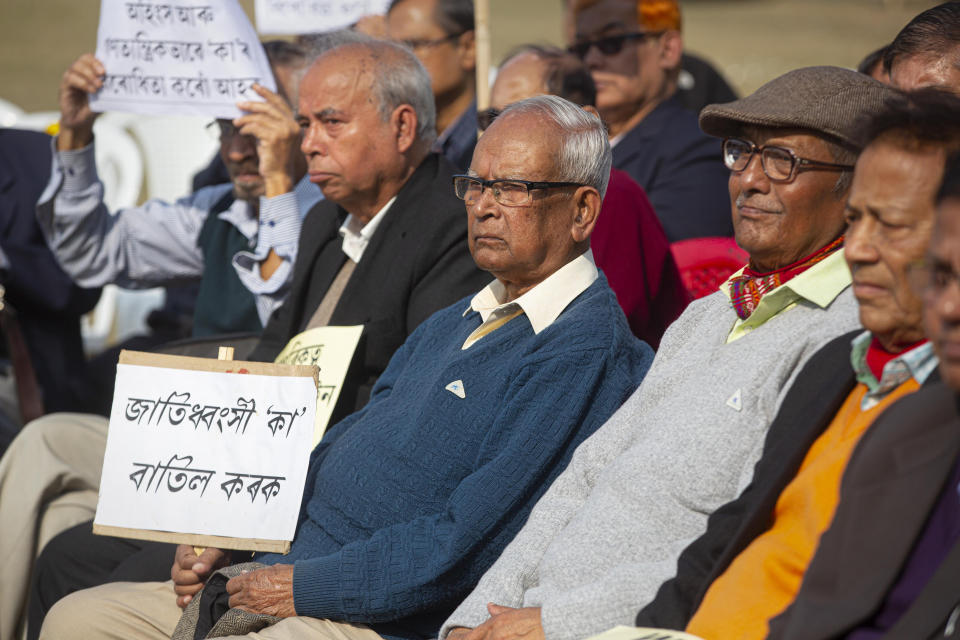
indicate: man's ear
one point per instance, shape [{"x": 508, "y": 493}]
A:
[
  {"x": 404, "y": 121},
  {"x": 467, "y": 51},
  {"x": 671, "y": 49},
  {"x": 587, "y": 201}
]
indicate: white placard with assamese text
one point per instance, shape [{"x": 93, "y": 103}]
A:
[
  {"x": 313, "y": 16},
  {"x": 208, "y": 453},
  {"x": 178, "y": 57}
]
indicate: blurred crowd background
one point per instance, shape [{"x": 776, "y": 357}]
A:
[{"x": 40, "y": 38}]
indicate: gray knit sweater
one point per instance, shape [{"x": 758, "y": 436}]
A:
[{"x": 608, "y": 532}]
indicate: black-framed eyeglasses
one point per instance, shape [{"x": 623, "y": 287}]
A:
[
  {"x": 426, "y": 43},
  {"x": 486, "y": 117},
  {"x": 779, "y": 163},
  {"x": 610, "y": 45},
  {"x": 511, "y": 193},
  {"x": 931, "y": 276}
]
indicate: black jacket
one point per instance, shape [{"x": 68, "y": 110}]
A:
[
  {"x": 681, "y": 169},
  {"x": 48, "y": 303},
  {"x": 417, "y": 263},
  {"x": 891, "y": 485}
]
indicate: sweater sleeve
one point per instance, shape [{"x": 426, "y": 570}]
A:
[
  {"x": 515, "y": 570},
  {"x": 430, "y": 561}
]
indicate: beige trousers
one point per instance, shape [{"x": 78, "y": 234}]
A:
[
  {"x": 48, "y": 482},
  {"x": 148, "y": 611}
]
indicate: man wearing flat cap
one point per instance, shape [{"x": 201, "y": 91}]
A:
[
  {"x": 607, "y": 533},
  {"x": 747, "y": 568}
]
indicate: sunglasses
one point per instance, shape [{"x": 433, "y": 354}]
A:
[{"x": 610, "y": 45}]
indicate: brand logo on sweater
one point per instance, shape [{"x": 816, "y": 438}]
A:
[
  {"x": 734, "y": 401},
  {"x": 456, "y": 388}
]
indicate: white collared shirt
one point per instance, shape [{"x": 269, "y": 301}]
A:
[
  {"x": 356, "y": 236},
  {"x": 542, "y": 304}
]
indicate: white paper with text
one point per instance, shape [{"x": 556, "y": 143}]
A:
[
  {"x": 207, "y": 453},
  {"x": 313, "y": 16},
  {"x": 178, "y": 57}
]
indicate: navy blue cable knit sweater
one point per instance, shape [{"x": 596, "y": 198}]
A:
[{"x": 409, "y": 500}]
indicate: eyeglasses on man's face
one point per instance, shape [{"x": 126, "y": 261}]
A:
[
  {"x": 610, "y": 45},
  {"x": 510, "y": 193},
  {"x": 779, "y": 163},
  {"x": 426, "y": 43}
]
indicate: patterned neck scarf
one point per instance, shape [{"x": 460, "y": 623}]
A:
[{"x": 747, "y": 288}]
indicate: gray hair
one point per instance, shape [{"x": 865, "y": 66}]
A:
[
  {"x": 398, "y": 78},
  {"x": 316, "y": 44},
  {"x": 585, "y": 155}
]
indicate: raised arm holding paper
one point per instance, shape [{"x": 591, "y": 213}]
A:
[{"x": 254, "y": 223}]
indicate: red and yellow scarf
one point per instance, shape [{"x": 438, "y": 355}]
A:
[{"x": 747, "y": 288}]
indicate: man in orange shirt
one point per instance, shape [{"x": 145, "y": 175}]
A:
[{"x": 749, "y": 565}]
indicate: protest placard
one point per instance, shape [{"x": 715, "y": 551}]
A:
[
  {"x": 178, "y": 57},
  {"x": 331, "y": 349},
  {"x": 313, "y": 16},
  {"x": 207, "y": 452}
]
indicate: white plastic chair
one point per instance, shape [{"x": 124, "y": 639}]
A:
[
  {"x": 174, "y": 149},
  {"x": 119, "y": 161},
  {"x": 9, "y": 113}
]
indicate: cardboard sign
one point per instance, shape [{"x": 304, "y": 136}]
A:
[
  {"x": 178, "y": 57},
  {"x": 207, "y": 452},
  {"x": 331, "y": 350},
  {"x": 313, "y": 16}
]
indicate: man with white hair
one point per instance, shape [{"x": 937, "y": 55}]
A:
[
  {"x": 608, "y": 532},
  {"x": 475, "y": 415}
]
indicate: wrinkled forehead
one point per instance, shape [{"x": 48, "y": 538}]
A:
[
  {"x": 911, "y": 72},
  {"x": 799, "y": 140},
  {"x": 338, "y": 80},
  {"x": 521, "y": 77},
  {"x": 597, "y": 17},
  {"x": 519, "y": 145}
]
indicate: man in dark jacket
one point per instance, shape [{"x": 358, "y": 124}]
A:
[{"x": 634, "y": 49}]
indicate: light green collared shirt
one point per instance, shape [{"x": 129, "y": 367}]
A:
[{"x": 820, "y": 284}]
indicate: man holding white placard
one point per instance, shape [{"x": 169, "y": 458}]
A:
[
  {"x": 390, "y": 218},
  {"x": 253, "y": 222},
  {"x": 408, "y": 500}
]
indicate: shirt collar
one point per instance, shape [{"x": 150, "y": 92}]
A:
[
  {"x": 356, "y": 236},
  {"x": 240, "y": 215},
  {"x": 546, "y": 301},
  {"x": 917, "y": 363},
  {"x": 820, "y": 284}
]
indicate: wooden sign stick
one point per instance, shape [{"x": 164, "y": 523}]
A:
[
  {"x": 482, "y": 35},
  {"x": 223, "y": 353}
]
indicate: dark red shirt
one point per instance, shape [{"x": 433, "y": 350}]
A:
[{"x": 631, "y": 248}]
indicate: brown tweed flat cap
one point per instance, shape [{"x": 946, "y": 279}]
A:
[{"x": 826, "y": 100}]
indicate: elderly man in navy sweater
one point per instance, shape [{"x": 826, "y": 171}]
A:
[{"x": 409, "y": 500}]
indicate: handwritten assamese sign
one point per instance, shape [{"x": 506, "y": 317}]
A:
[
  {"x": 313, "y": 16},
  {"x": 178, "y": 57}
]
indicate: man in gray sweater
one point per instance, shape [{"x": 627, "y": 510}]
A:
[{"x": 609, "y": 530}]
